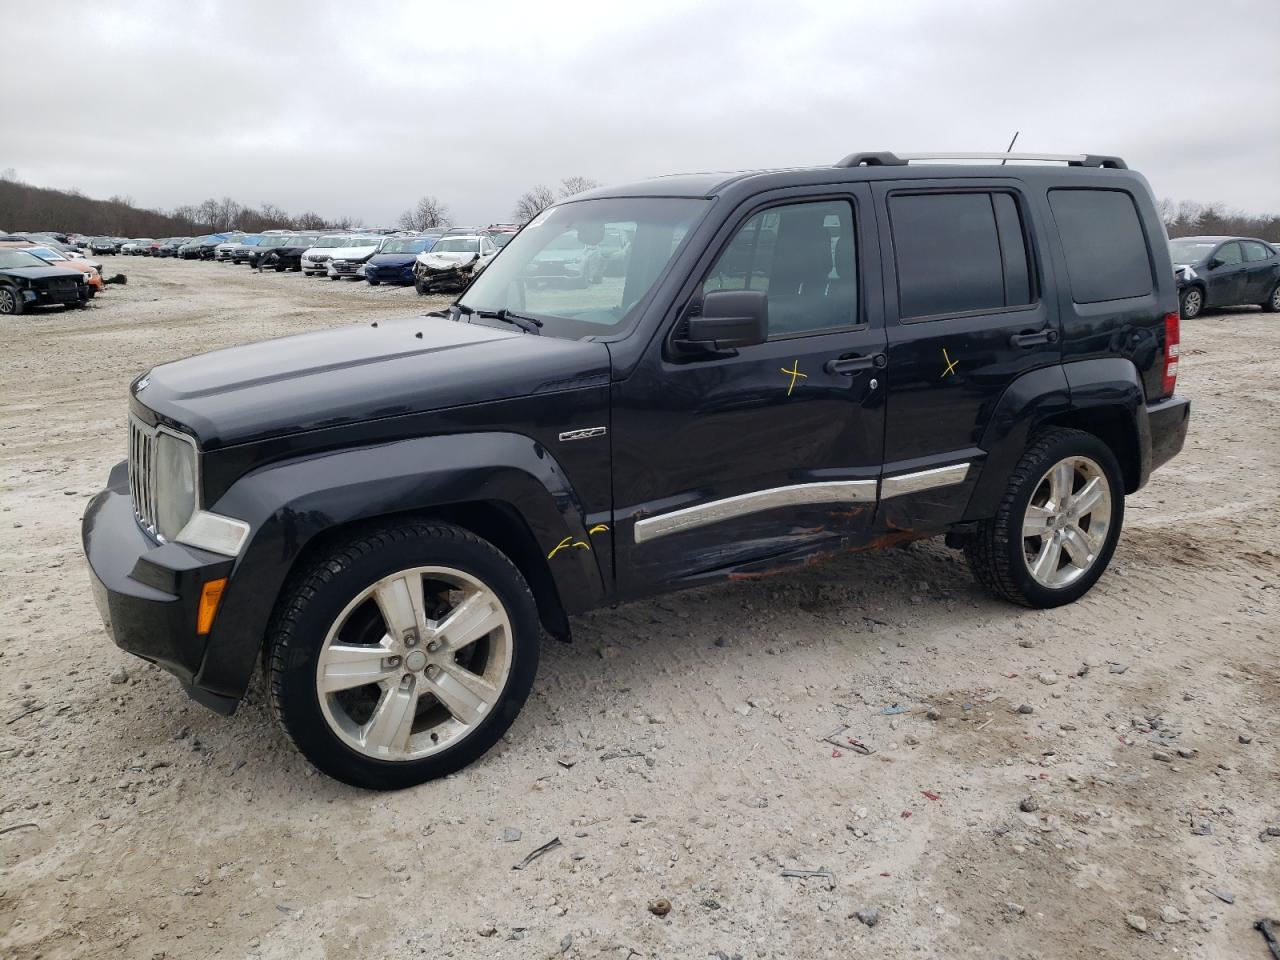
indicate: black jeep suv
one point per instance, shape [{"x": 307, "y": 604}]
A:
[
  {"x": 785, "y": 364},
  {"x": 1225, "y": 272}
]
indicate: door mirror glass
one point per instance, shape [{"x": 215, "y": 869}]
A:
[{"x": 730, "y": 319}]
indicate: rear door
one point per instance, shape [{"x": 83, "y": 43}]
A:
[
  {"x": 1263, "y": 271},
  {"x": 964, "y": 318},
  {"x": 1227, "y": 281}
]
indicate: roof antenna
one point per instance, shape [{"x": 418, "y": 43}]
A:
[{"x": 1009, "y": 148}]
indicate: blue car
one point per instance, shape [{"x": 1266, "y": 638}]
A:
[{"x": 394, "y": 262}]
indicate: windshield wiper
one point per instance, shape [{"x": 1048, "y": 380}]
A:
[{"x": 527, "y": 324}]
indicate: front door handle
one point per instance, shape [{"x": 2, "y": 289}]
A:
[
  {"x": 848, "y": 366},
  {"x": 1030, "y": 338}
]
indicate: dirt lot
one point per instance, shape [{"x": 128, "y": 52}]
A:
[{"x": 135, "y": 823}]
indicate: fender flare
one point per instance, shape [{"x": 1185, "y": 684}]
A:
[
  {"x": 289, "y": 504},
  {"x": 1061, "y": 394}
]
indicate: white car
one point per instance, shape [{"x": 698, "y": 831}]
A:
[
  {"x": 133, "y": 246},
  {"x": 349, "y": 260},
  {"x": 315, "y": 260}
]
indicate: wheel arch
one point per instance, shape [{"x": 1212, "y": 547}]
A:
[{"x": 504, "y": 488}]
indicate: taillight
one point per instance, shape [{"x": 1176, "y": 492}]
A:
[{"x": 1172, "y": 338}]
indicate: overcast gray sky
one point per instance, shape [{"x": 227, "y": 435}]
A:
[{"x": 359, "y": 109}]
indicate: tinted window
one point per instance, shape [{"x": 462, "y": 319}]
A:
[
  {"x": 958, "y": 253},
  {"x": 1256, "y": 251},
  {"x": 1229, "y": 254},
  {"x": 1103, "y": 242},
  {"x": 803, "y": 256}
]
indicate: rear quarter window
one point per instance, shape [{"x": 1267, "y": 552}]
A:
[{"x": 1104, "y": 244}]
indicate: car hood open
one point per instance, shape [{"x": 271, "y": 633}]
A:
[{"x": 359, "y": 373}]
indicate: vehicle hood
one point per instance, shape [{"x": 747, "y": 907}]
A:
[
  {"x": 360, "y": 373},
  {"x": 40, "y": 273},
  {"x": 392, "y": 259},
  {"x": 355, "y": 253},
  {"x": 446, "y": 258}
]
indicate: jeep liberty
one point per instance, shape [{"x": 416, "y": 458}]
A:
[{"x": 776, "y": 365}]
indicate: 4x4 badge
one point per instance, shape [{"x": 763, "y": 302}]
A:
[{"x": 584, "y": 434}]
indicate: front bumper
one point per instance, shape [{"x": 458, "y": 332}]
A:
[
  {"x": 1168, "y": 421},
  {"x": 345, "y": 268},
  {"x": 147, "y": 592},
  {"x": 46, "y": 298},
  {"x": 390, "y": 274}
]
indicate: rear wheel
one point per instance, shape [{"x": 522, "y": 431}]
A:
[
  {"x": 1272, "y": 303},
  {"x": 1192, "y": 303},
  {"x": 1057, "y": 525},
  {"x": 403, "y": 655}
]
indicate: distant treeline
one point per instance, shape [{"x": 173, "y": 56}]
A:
[
  {"x": 24, "y": 207},
  {"x": 1190, "y": 219}
]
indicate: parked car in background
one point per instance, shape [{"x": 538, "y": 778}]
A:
[
  {"x": 26, "y": 281},
  {"x": 170, "y": 247},
  {"x": 189, "y": 250},
  {"x": 567, "y": 262},
  {"x": 285, "y": 255},
  {"x": 133, "y": 248},
  {"x": 1225, "y": 272},
  {"x": 227, "y": 249},
  {"x": 452, "y": 262},
  {"x": 104, "y": 246},
  {"x": 315, "y": 259},
  {"x": 348, "y": 261},
  {"x": 92, "y": 271},
  {"x": 242, "y": 246},
  {"x": 393, "y": 263}
]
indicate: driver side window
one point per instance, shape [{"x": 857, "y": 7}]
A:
[{"x": 803, "y": 256}]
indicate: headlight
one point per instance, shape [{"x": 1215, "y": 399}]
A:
[{"x": 175, "y": 483}]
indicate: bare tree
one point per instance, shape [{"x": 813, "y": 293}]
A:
[
  {"x": 9, "y": 175},
  {"x": 427, "y": 213},
  {"x": 570, "y": 186},
  {"x": 533, "y": 202}
]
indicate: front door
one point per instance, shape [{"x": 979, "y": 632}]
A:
[
  {"x": 730, "y": 464},
  {"x": 1227, "y": 276}
]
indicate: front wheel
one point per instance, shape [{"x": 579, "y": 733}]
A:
[
  {"x": 1057, "y": 524},
  {"x": 421, "y": 288},
  {"x": 1272, "y": 303},
  {"x": 403, "y": 655},
  {"x": 10, "y": 302},
  {"x": 1192, "y": 302},
  {"x": 372, "y": 283}
]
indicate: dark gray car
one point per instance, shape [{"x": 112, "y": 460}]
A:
[{"x": 1225, "y": 272}]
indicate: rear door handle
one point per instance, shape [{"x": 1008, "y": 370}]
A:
[
  {"x": 848, "y": 366},
  {"x": 1030, "y": 338}
]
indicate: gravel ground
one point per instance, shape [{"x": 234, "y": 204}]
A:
[{"x": 1090, "y": 782}]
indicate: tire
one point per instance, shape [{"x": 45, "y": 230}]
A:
[
  {"x": 1272, "y": 303},
  {"x": 10, "y": 303},
  {"x": 279, "y": 267},
  {"x": 998, "y": 552},
  {"x": 1191, "y": 303},
  {"x": 331, "y": 601},
  {"x": 420, "y": 287},
  {"x": 373, "y": 283}
]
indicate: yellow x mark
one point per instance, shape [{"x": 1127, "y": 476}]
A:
[
  {"x": 795, "y": 375},
  {"x": 951, "y": 364}
]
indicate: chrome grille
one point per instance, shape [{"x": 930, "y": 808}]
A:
[{"x": 142, "y": 479}]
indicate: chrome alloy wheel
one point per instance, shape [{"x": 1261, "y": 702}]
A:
[
  {"x": 1275, "y": 298},
  {"x": 1192, "y": 303},
  {"x": 8, "y": 301},
  {"x": 414, "y": 663},
  {"x": 1065, "y": 525}
]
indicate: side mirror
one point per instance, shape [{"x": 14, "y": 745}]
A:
[
  {"x": 730, "y": 319},
  {"x": 1215, "y": 263}
]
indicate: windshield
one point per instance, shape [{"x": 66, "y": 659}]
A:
[
  {"x": 330, "y": 242},
  {"x": 558, "y": 271},
  {"x": 19, "y": 258},
  {"x": 407, "y": 245},
  {"x": 457, "y": 245},
  {"x": 1189, "y": 251},
  {"x": 44, "y": 253},
  {"x": 361, "y": 242},
  {"x": 273, "y": 241},
  {"x": 500, "y": 240}
]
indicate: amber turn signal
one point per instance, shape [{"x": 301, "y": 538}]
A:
[{"x": 210, "y": 597}]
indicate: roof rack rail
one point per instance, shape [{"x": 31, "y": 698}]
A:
[{"x": 901, "y": 160}]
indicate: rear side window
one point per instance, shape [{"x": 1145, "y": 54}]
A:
[
  {"x": 1255, "y": 251},
  {"x": 959, "y": 253},
  {"x": 1103, "y": 242}
]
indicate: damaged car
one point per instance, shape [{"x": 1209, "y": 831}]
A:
[
  {"x": 452, "y": 263},
  {"x": 394, "y": 262}
]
